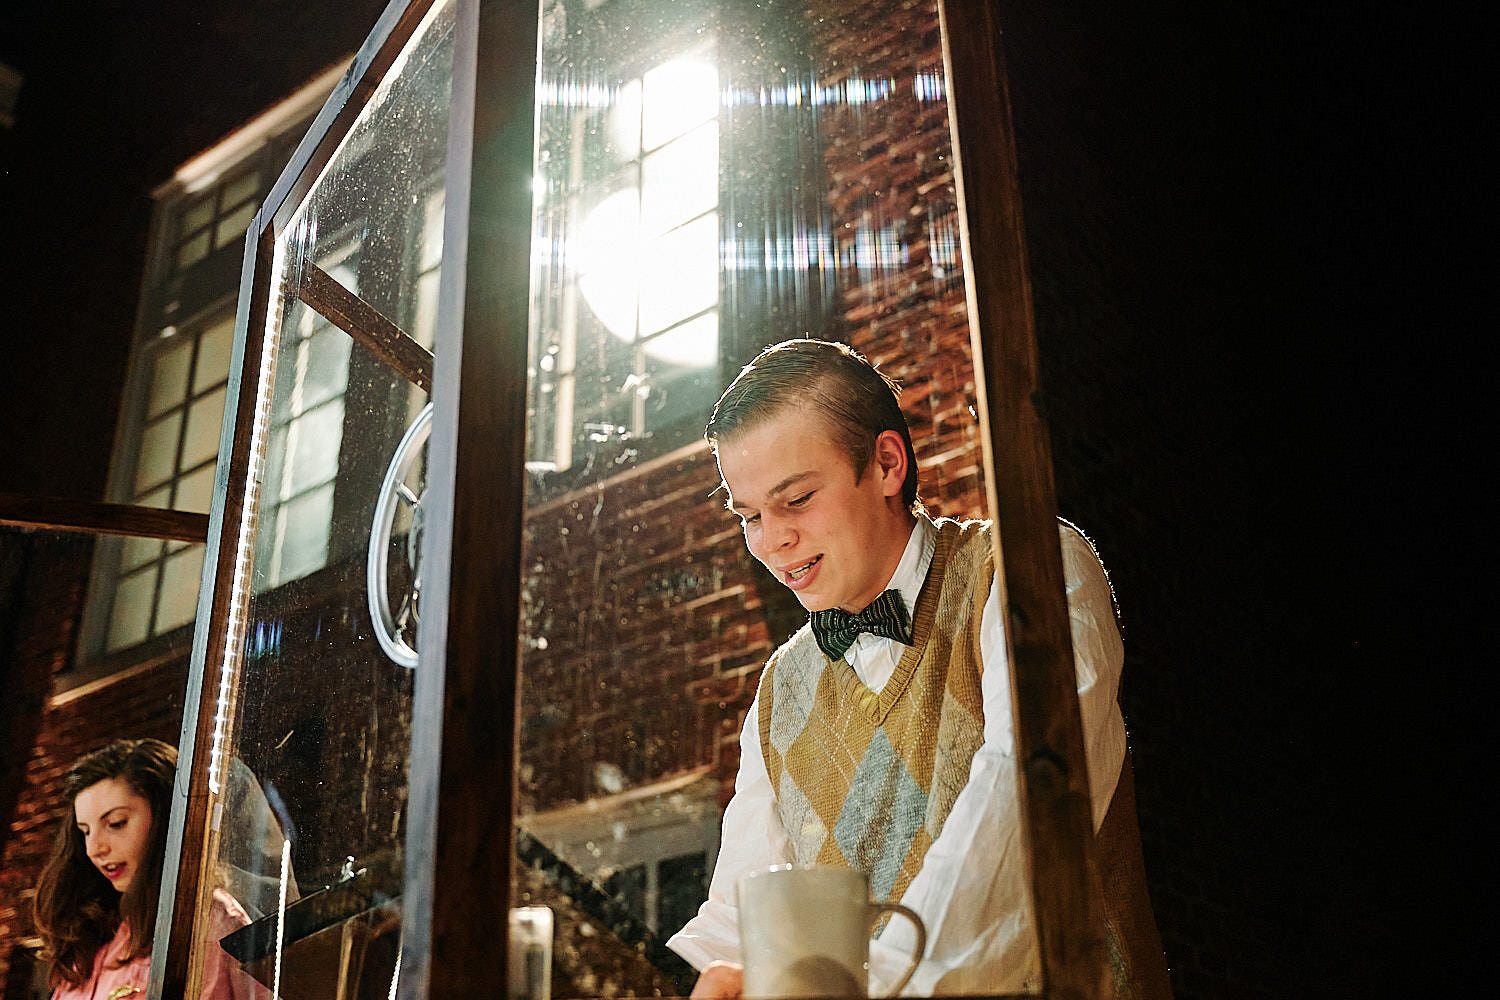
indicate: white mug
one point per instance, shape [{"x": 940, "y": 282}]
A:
[{"x": 805, "y": 932}]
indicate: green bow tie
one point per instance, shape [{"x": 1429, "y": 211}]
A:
[{"x": 836, "y": 629}]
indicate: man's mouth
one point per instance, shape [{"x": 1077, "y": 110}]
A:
[{"x": 804, "y": 569}]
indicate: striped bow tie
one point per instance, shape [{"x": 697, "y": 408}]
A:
[{"x": 836, "y": 629}]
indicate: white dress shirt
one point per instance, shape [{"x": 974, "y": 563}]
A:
[{"x": 972, "y": 891}]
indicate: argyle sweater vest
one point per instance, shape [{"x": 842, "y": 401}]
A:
[{"x": 866, "y": 780}]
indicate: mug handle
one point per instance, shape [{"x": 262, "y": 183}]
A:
[{"x": 878, "y": 910}]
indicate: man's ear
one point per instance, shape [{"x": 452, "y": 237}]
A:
[{"x": 890, "y": 460}]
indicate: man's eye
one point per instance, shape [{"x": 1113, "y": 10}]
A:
[{"x": 799, "y": 501}]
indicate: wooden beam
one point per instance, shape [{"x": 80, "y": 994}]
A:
[
  {"x": 367, "y": 325},
  {"x": 97, "y": 518},
  {"x": 1049, "y": 732},
  {"x": 460, "y": 847}
]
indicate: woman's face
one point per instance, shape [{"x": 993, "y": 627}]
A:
[{"x": 115, "y": 822}]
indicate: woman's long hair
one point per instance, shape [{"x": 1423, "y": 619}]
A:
[{"x": 77, "y": 910}]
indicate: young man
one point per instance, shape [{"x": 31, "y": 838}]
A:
[{"x": 885, "y": 743}]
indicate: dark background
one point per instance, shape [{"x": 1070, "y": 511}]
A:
[{"x": 1247, "y": 225}]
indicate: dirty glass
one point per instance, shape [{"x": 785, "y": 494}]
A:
[
  {"x": 311, "y": 749},
  {"x": 711, "y": 178}
]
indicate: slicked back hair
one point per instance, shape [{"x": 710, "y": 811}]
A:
[{"x": 857, "y": 401}]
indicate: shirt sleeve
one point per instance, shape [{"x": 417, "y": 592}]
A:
[
  {"x": 223, "y": 978},
  {"x": 973, "y": 892},
  {"x": 752, "y": 838}
]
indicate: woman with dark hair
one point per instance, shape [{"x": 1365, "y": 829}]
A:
[{"x": 96, "y": 901}]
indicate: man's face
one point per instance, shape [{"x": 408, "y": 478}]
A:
[
  {"x": 833, "y": 541},
  {"x": 116, "y": 825}
]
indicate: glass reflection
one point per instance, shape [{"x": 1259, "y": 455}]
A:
[
  {"x": 311, "y": 749},
  {"x": 711, "y": 178}
]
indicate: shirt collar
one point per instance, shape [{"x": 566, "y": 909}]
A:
[{"x": 916, "y": 559}]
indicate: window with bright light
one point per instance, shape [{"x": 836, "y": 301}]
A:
[{"x": 627, "y": 338}]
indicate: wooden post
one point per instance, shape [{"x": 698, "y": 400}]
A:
[
  {"x": 1049, "y": 733},
  {"x": 461, "y": 834}
]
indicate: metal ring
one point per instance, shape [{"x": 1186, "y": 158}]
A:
[{"x": 387, "y": 633}]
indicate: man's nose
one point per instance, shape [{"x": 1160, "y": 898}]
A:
[{"x": 777, "y": 533}]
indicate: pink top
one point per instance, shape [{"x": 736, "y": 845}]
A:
[{"x": 222, "y": 977}]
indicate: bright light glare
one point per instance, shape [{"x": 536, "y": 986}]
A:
[
  {"x": 681, "y": 273},
  {"x": 677, "y": 95},
  {"x": 694, "y": 344},
  {"x": 609, "y": 257},
  {"x": 680, "y": 180},
  {"x": 637, "y": 273},
  {"x": 625, "y": 121}
]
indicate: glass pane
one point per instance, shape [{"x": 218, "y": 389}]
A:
[
  {"x": 681, "y": 379},
  {"x": 430, "y": 253},
  {"x": 793, "y": 178},
  {"x": 323, "y": 366},
  {"x": 427, "y": 303},
  {"x": 681, "y": 180},
  {"x": 169, "y": 377},
  {"x": 694, "y": 344},
  {"x": 677, "y": 96},
  {"x": 135, "y": 551},
  {"x": 201, "y": 442},
  {"x": 313, "y": 770},
  {"x": 198, "y": 214},
  {"x": 212, "y": 366},
  {"x": 314, "y": 445},
  {"x": 611, "y": 279},
  {"x": 684, "y": 275},
  {"x": 195, "y": 491},
  {"x": 179, "y": 588},
  {"x": 242, "y": 188},
  {"x": 156, "y": 498},
  {"x": 625, "y": 121},
  {"x": 193, "y": 250},
  {"x": 302, "y": 525},
  {"x": 232, "y": 226},
  {"x": 130, "y": 617},
  {"x": 158, "y": 457}
]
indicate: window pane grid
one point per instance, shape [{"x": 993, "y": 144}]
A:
[
  {"x": 216, "y": 218},
  {"x": 184, "y": 438},
  {"x": 636, "y": 245},
  {"x": 175, "y": 468},
  {"x": 305, "y": 435}
]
